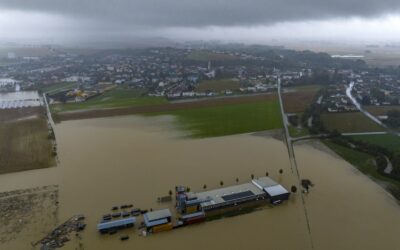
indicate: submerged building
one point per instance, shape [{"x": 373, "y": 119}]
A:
[
  {"x": 107, "y": 226},
  {"x": 230, "y": 196},
  {"x": 158, "y": 221},
  {"x": 275, "y": 192},
  {"x": 263, "y": 188}
]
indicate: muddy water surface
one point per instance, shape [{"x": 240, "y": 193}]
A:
[{"x": 112, "y": 161}]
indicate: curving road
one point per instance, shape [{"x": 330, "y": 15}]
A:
[
  {"x": 369, "y": 115},
  {"x": 349, "y": 89}
]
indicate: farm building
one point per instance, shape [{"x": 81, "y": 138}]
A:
[
  {"x": 158, "y": 221},
  {"x": 107, "y": 226},
  {"x": 274, "y": 191},
  {"x": 258, "y": 189},
  {"x": 230, "y": 196},
  {"x": 192, "y": 218}
]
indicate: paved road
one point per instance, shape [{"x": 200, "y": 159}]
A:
[
  {"x": 292, "y": 159},
  {"x": 369, "y": 115},
  {"x": 48, "y": 110},
  {"x": 359, "y": 107},
  {"x": 308, "y": 137},
  {"x": 366, "y": 133},
  {"x": 289, "y": 145},
  {"x": 389, "y": 166},
  {"x": 49, "y": 116}
]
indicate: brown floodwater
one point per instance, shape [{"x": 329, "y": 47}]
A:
[{"x": 132, "y": 159}]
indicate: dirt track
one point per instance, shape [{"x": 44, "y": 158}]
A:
[{"x": 85, "y": 114}]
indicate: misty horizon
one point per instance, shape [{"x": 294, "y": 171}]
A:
[{"x": 258, "y": 22}]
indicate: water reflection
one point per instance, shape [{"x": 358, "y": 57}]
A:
[{"x": 131, "y": 159}]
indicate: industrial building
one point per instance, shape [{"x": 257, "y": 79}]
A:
[
  {"x": 275, "y": 192},
  {"x": 195, "y": 207},
  {"x": 158, "y": 221},
  {"x": 230, "y": 196},
  {"x": 263, "y": 188},
  {"x": 193, "y": 218},
  {"x": 105, "y": 227}
]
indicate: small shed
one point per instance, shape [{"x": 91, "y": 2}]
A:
[
  {"x": 277, "y": 193},
  {"x": 159, "y": 220},
  {"x": 274, "y": 191}
]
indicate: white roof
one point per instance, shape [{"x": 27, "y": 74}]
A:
[
  {"x": 216, "y": 196},
  {"x": 116, "y": 223},
  {"x": 159, "y": 214},
  {"x": 275, "y": 190},
  {"x": 263, "y": 182}
]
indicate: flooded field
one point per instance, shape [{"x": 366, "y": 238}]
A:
[
  {"x": 20, "y": 99},
  {"x": 131, "y": 159}
]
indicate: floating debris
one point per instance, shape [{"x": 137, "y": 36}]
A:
[
  {"x": 107, "y": 217},
  {"x": 135, "y": 212},
  {"x": 116, "y": 215},
  {"x": 125, "y": 237},
  {"x": 59, "y": 235},
  {"x": 126, "y": 206},
  {"x": 306, "y": 184},
  {"x": 165, "y": 198}
]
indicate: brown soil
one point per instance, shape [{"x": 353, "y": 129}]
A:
[
  {"x": 297, "y": 102},
  {"x": 24, "y": 143},
  {"x": 7, "y": 115}
]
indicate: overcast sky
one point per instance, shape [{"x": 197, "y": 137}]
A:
[{"x": 233, "y": 20}]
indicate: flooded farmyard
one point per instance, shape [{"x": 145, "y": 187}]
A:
[{"x": 131, "y": 159}]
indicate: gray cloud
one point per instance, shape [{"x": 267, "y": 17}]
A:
[{"x": 200, "y": 13}]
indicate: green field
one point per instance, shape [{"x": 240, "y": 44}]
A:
[
  {"x": 389, "y": 141},
  {"x": 218, "y": 85},
  {"x": 298, "y": 132},
  {"x": 365, "y": 163},
  {"x": 381, "y": 110},
  {"x": 55, "y": 88},
  {"x": 111, "y": 99},
  {"x": 350, "y": 122},
  {"x": 311, "y": 87},
  {"x": 230, "y": 119}
]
